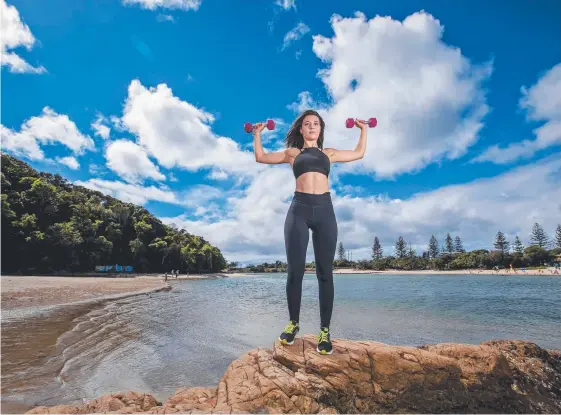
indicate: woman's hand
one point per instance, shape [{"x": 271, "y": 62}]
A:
[
  {"x": 360, "y": 124},
  {"x": 258, "y": 127}
]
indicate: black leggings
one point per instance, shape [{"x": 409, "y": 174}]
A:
[{"x": 315, "y": 212}]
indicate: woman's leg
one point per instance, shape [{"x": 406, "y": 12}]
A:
[
  {"x": 324, "y": 237},
  {"x": 296, "y": 237}
]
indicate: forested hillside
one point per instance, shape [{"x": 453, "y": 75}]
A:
[{"x": 50, "y": 225}]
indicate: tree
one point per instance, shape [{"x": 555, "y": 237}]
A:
[
  {"x": 558, "y": 236},
  {"x": 501, "y": 243},
  {"x": 341, "y": 251},
  {"x": 458, "y": 247},
  {"x": 400, "y": 247},
  {"x": 518, "y": 247},
  {"x": 433, "y": 247},
  {"x": 449, "y": 243},
  {"x": 539, "y": 237},
  {"x": 377, "y": 252},
  {"x": 411, "y": 253}
]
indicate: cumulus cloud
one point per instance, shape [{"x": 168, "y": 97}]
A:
[
  {"x": 178, "y": 134},
  {"x": 542, "y": 102},
  {"x": 295, "y": 34},
  {"x": 428, "y": 98},
  {"x": 166, "y": 4},
  {"x": 252, "y": 228},
  {"x": 69, "y": 161},
  {"x": 47, "y": 128},
  {"x": 13, "y": 34},
  {"x": 131, "y": 162},
  {"x": 100, "y": 127},
  {"x": 130, "y": 193}
]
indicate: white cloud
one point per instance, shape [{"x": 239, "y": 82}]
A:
[
  {"x": 295, "y": 34},
  {"x": 543, "y": 103},
  {"x": 69, "y": 161},
  {"x": 13, "y": 34},
  {"x": 286, "y": 4},
  {"x": 100, "y": 127},
  {"x": 129, "y": 192},
  {"x": 178, "y": 134},
  {"x": 252, "y": 230},
  {"x": 47, "y": 128},
  {"x": 131, "y": 162},
  {"x": 165, "y": 18},
  {"x": 427, "y": 97},
  {"x": 166, "y": 4}
]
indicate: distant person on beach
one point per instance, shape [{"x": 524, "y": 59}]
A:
[{"x": 311, "y": 208}]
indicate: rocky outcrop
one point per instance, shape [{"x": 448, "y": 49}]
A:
[{"x": 366, "y": 377}]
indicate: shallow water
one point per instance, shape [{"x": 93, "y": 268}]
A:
[{"x": 187, "y": 337}]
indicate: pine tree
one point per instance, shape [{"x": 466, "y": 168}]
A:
[
  {"x": 501, "y": 243},
  {"x": 400, "y": 247},
  {"x": 433, "y": 247},
  {"x": 539, "y": 237},
  {"x": 518, "y": 247},
  {"x": 458, "y": 247},
  {"x": 411, "y": 253},
  {"x": 449, "y": 244},
  {"x": 558, "y": 236},
  {"x": 377, "y": 251},
  {"x": 341, "y": 251}
]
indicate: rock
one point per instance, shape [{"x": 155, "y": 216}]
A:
[{"x": 366, "y": 377}]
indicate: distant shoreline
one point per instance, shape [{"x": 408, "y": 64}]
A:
[{"x": 35, "y": 291}]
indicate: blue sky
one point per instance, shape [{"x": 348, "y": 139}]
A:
[{"x": 146, "y": 99}]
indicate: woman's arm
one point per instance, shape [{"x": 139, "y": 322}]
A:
[
  {"x": 260, "y": 156},
  {"x": 343, "y": 156}
]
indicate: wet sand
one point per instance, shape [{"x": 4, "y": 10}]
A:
[
  {"x": 35, "y": 292},
  {"x": 32, "y": 353}
]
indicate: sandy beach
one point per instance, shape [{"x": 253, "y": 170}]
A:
[{"x": 38, "y": 291}]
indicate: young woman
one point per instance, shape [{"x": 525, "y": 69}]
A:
[{"x": 311, "y": 208}]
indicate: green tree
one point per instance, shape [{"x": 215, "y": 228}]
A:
[
  {"x": 539, "y": 237},
  {"x": 517, "y": 246},
  {"x": 433, "y": 247},
  {"x": 558, "y": 236},
  {"x": 377, "y": 251},
  {"x": 501, "y": 243},
  {"x": 458, "y": 247},
  {"x": 341, "y": 251},
  {"x": 400, "y": 247},
  {"x": 49, "y": 225},
  {"x": 411, "y": 253},
  {"x": 449, "y": 243}
]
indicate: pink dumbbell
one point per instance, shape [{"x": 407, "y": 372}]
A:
[
  {"x": 248, "y": 127},
  {"x": 372, "y": 122}
]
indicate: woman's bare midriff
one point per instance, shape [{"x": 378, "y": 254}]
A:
[{"x": 311, "y": 182}]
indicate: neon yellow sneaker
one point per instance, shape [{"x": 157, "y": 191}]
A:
[
  {"x": 324, "y": 341},
  {"x": 290, "y": 331}
]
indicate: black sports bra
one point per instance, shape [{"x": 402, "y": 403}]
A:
[{"x": 311, "y": 159}]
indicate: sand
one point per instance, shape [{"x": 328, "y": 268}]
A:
[{"x": 34, "y": 291}]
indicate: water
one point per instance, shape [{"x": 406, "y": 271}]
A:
[{"x": 187, "y": 337}]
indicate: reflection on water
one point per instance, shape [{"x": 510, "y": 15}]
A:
[{"x": 187, "y": 337}]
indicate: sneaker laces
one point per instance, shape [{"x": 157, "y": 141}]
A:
[
  {"x": 322, "y": 337},
  {"x": 290, "y": 327}
]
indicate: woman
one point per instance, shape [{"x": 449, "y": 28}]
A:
[{"x": 311, "y": 208}]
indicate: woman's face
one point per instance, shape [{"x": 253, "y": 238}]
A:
[{"x": 311, "y": 128}]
